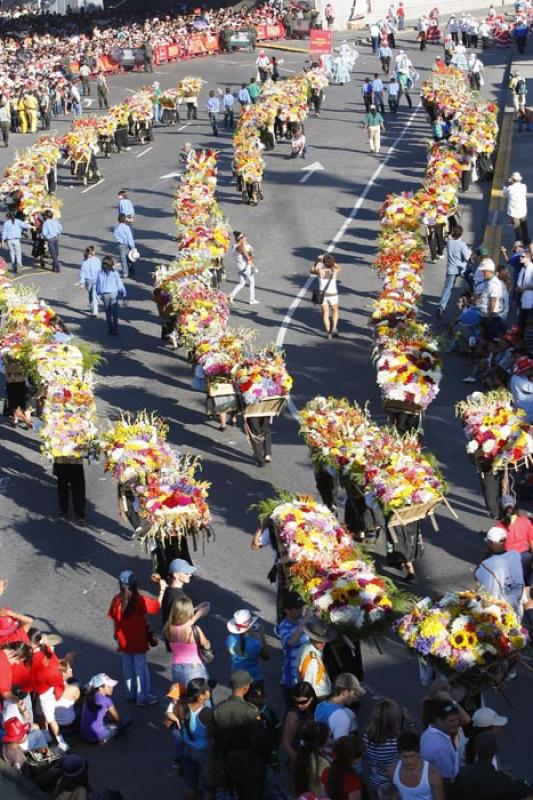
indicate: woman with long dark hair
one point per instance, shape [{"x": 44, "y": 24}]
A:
[
  {"x": 340, "y": 780},
  {"x": 128, "y": 611},
  {"x": 381, "y": 740},
  {"x": 310, "y": 761},
  {"x": 300, "y": 714},
  {"x": 194, "y": 714}
]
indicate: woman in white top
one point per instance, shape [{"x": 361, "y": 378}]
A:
[
  {"x": 327, "y": 272},
  {"x": 244, "y": 259},
  {"x": 414, "y": 778}
]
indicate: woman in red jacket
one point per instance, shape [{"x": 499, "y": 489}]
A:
[
  {"x": 128, "y": 611},
  {"x": 48, "y": 680}
]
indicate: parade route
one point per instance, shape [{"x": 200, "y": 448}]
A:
[{"x": 331, "y": 207}]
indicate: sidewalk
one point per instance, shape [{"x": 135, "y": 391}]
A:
[{"x": 514, "y": 154}]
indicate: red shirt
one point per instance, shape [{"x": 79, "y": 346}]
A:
[
  {"x": 21, "y": 675},
  {"x": 46, "y": 673},
  {"x": 350, "y": 783},
  {"x": 130, "y": 631},
  {"x": 18, "y": 635},
  {"x": 5, "y": 674},
  {"x": 519, "y": 534}
]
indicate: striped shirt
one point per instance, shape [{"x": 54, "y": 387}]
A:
[
  {"x": 379, "y": 755},
  {"x": 289, "y": 670}
]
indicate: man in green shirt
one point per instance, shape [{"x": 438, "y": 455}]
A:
[
  {"x": 373, "y": 121},
  {"x": 405, "y": 84},
  {"x": 254, "y": 90}
]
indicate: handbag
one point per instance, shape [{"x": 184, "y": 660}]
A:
[
  {"x": 206, "y": 653},
  {"x": 318, "y": 295},
  {"x": 153, "y": 641}
]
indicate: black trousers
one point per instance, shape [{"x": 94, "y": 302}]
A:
[
  {"x": 213, "y": 118},
  {"x": 436, "y": 241},
  {"x": 4, "y": 127},
  {"x": 491, "y": 486},
  {"x": 260, "y": 435},
  {"x": 367, "y": 100},
  {"x": 466, "y": 179},
  {"x": 70, "y": 478},
  {"x": 165, "y": 553},
  {"x": 327, "y": 487},
  {"x": 455, "y": 37}
]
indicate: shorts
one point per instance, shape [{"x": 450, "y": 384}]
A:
[
  {"x": 48, "y": 705},
  {"x": 331, "y": 300}
]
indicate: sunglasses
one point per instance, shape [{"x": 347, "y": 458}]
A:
[
  {"x": 450, "y": 708},
  {"x": 302, "y": 701}
]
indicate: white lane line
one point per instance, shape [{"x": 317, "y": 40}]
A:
[
  {"x": 90, "y": 188},
  {"x": 287, "y": 319},
  {"x": 185, "y": 126},
  {"x": 131, "y": 91},
  {"x": 144, "y": 152}
]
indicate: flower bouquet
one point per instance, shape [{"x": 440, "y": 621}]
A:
[
  {"x": 190, "y": 86},
  {"x": 140, "y": 106},
  {"x": 260, "y": 379},
  {"x": 329, "y": 426},
  {"x": 400, "y": 211},
  {"x": 410, "y": 372},
  {"x": 135, "y": 447},
  {"x": 69, "y": 417},
  {"x": 200, "y": 309},
  {"x": 469, "y": 636},
  {"x": 496, "y": 431}
]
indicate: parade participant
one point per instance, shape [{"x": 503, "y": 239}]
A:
[
  {"x": 259, "y": 432},
  {"x": 187, "y": 154},
  {"x": 457, "y": 257},
  {"x": 373, "y": 122},
  {"x": 11, "y": 235},
  {"x": 124, "y": 238},
  {"x": 254, "y": 90},
  {"x": 292, "y": 637},
  {"x": 244, "y": 96},
  {"x": 405, "y": 83},
  {"x": 310, "y": 657},
  {"x": 377, "y": 94},
  {"x": 126, "y": 207},
  {"x": 501, "y": 574},
  {"x": 244, "y": 261},
  {"x": 213, "y": 111},
  {"x": 128, "y": 611},
  {"x": 246, "y": 643},
  {"x": 228, "y": 102},
  {"x": 475, "y": 72},
  {"x": 413, "y": 777},
  {"x": 89, "y": 271},
  {"x": 100, "y": 720},
  {"x": 375, "y": 36},
  {"x": 110, "y": 288},
  {"x": 264, "y": 66},
  {"x": 148, "y": 55},
  {"x": 191, "y": 101},
  {"x": 516, "y": 195},
  {"x": 385, "y": 56},
  {"x": 310, "y": 759},
  {"x": 341, "y": 779},
  {"x": 70, "y": 479},
  {"x": 51, "y": 232},
  {"x": 400, "y": 13},
  {"x": 519, "y": 534},
  {"x": 327, "y": 272},
  {"x": 299, "y": 714},
  {"x": 393, "y": 91},
  {"x": 335, "y": 712},
  {"x": 186, "y": 640},
  {"x": 367, "y": 91},
  {"x": 102, "y": 90}
]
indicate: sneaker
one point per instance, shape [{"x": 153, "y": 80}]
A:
[
  {"x": 268, "y": 459},
  {"x": 470, "y": 379},
  {"x": 63, "y": 746},
  {"x": 254, "y": 302}
]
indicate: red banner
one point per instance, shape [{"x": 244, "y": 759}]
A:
[
  {"x": 105, "y": 63},
  {"x": 320, "y": 43},
  {"x": 265, "y": 31},
  {"x": 160, "y": 54},
  {"x": 173, "y": 51}
]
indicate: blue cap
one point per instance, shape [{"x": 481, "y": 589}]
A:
[
  {"x": 180, "y": 565},
  {"x": 127, "y": 578}
]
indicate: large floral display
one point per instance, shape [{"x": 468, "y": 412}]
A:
[
  {"x": 409, "y": 367},
  {"x": 497, "y": 433}
]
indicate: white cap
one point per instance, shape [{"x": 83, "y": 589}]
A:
[
  {"x": 487, "y": 717},
  {"x": 496, "y": 535},
  {"x": 487, "y": 265},
  {"x": 516, "y": 176}
]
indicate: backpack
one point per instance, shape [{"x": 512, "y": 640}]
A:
[{"x": 520, "y": 87}]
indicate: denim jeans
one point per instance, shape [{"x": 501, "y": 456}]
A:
[
  {"x": 91, "y": 292},
  {"x": 245, "y": 276},
  {"x": 449, "y": 283},
  {"x": 177, "y": 744},
  {"x": 110, "y": 302},
  {"x": 53, "y": 249},
  {"x": 193, "y": 761},
  {"x": 183, "y": 673},
  {"x": 15, "y": 253},
  {"x": 156, "y": 112},
  {"x": 136, "y": 676},
  {"x": 123, "y": 250}
]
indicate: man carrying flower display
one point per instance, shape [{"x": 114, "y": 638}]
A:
[{"x": 501, "y": 574}]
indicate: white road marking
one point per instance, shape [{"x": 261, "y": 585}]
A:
[
  {"x": 89, "y": 188},
  {"x": 169, "y": 175},
  {"x": 88, "y": 102},
  {"x": 144, "y": 152},
  {"x": 185, "y": 126},
  {"x": 131, "y": 91},
  {"x": 287, "y": 319},
  {"x": 309, "y": 169}
]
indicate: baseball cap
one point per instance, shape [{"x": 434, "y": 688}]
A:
[
  {"x": 488, "y": 265},
  {"x": 180, "y": 565},
  {"x": 101, "y": 679},
  {"x": 487, "y": 717},
  {"x": 482, "y": 251},
  {"x": 240, "y": 678},
  {"x": 127, "y": 578},
  {"x": 516, "y": 176},
  {"x": 348, "y": 681},
  {"x": 292, "y": 600},
  {"x": 496, "y": 535},
  {"x": 507, "y": 500}
]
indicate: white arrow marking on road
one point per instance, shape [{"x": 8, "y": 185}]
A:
[
  {"x": 88, "y": 102},
  {"x": 310, "y": 169},
  {"x": 169, "y": 175}
]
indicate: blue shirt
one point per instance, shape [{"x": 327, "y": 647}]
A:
[
  {"x": 249, "y": 660},
  {"x": 385, "y": 52},
  {"x": 377, "y": 85},
  {"x": 125, "y": 206},
  {"x": 90, "y": 268},
  {"x": 244, "y": 96},
  {"x": 458, "y": 255},
  {"x": 12, "y": 229},
  {"x": 51, "y": 229},
  {"x": 393, "y": 89},
  {"x": 213, "y": 105},
  {"x": 228, "y": 101},
  {"x": 110, "y": 283},
  {"x": 123, "y": 235},
  {"x": 289, "y": 670}
]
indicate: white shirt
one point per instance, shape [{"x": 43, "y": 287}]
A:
[
  {"x": 488, "y": 290},
  {"x": 516, "y": 195},
  {"x": 322, "y": 687},
  {"x": 525, "y": 278},
  {"x": 503, "y": 577},
  {"x": 374, "y": 32},
  {"x": 522, "y": 391}
]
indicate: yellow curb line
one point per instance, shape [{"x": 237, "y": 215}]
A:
[
  {"x": 492, "y": 238},
  {"x": 284, "y": 47},
  {"x": 31, "y": 273}
]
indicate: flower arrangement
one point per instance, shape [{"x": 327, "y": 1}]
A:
[
  {"x": 478, "y": 128},
  {"x": 463, "y": 631},
  {"x": 190, "y": 87},
  {"x": 329, "y": 427},
  {"x": 140, "y": 106},
  {"x": 174, "y": 502},
  {"x": 410, "y": 371},
  {"x": 134, "y": 447},
  {"x": 218, "y": 354},
  {"x": 262, "y": 376},
  {"x": 69, "y": 417},
  {"x": 400, "y": 211},
  {"x": 495, "y": 430}
]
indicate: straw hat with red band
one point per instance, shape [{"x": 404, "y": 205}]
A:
[
  {"x": 241, "y": 621},
  {"x": 15, "y": 730},
  {"x": 522, "y": 365}
]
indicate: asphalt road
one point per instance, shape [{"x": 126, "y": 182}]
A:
[{"x": 66, "y": 576}]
